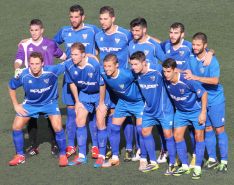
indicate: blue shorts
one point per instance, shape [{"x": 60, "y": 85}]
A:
[
  {"x": 166, "y": 122},
  {"x": 124, "y": 109},
  {"x": 216, "y": 115},
  {"x": 47, "y": 110},
  {"x": 185, "y": 118},
  {"x": 67, "y": 96}
]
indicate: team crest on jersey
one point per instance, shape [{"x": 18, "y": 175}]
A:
[
  {"x": 121, "y": 86},
  {"x": 181, "y": 53},
  {"x": 101, "y": 39},
  {"x": 168, "y": 51},
  {"x": 30, "y": 49},
  {"x": 69, "y": 34},
  {"x": 133, "y": 47},
  {"x": 30, "y": 81},
  {"x": 46, "y": 80},
  {"x": 69, "y": 44},
  {"x": 202, "y": 70},
  {"x": 44, "y": 47},
  {"x": 90, "y": 75},
  {"x": 84, "y": 36},
  {"x": 199, "y": 91},
  {"x": 117, "y": 40},
  {"x": 75, "y": 73},
  {"x": 181, "y": 91},
  {"x": 152, "y": 78},
  {"x": 146, "y": 52}
]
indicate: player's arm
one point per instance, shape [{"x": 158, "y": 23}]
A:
[
  {"x": 202, "y": 116},
  {"x": 208, "y": 57}
]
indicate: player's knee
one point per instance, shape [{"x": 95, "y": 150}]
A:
[
  {"x": 178, "y": 136},
  {"x": 199, "y": 136},
  {"x": 145, "y": 131},
  {"x": 167, "y": 133},
  {"x": 209, "y": 128},
  {"x": 220, "y": 130}
]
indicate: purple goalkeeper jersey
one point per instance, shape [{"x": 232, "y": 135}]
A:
[{"x": 47, "y": 47}]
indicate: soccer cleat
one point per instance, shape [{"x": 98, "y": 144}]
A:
[
  {"x": 95, "y": 152},
  {"x": 108, "y": 154},
  {"x": 196, "y": 173},
  {"x": 17, "y": 159},
  {"x": 32, "y": 151},
  {"x": 170, "y": 170},
  {"x": 99, "y": 162},
  {"x": 77, "y": 161},
  {"x": 111, "y": 162},
  {"x": 162, "y": 158},
  {"x": 70, "y": 150},
  {"x": 128, "y": 156},
  {"x": 143, "y": 164},
  {"x": 221, "y": 168},
  {"x": 177, "y": 163},
  {"x": 211, "y": 164},
  {"x": 182, "y": 170},
  {"x": 193, "y": 162},
  {"x": 150, "y": 167},
  {"x": 63, "y": 161},
  {"x": 137, "y": 156},
  {"x": 54, "y": 150}
]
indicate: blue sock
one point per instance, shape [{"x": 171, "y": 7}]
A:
[
  {"x": 81, "y": 135},
  {"x": 141, "y": 141},
  {"x": 192, "y": 138},
  {"x": 102, "y": 138},
  {"x": 108, "y": 125},
  {"x": 200, "y": 149},
  {"x": 128, "y": 133},
  {"x": 223, "y": 145},
  {"x": 210, "y": 141},
  {"x": 182, "y": 151},
  {"x": 71, "y": 126},
  {"x": 162, "y": 138},
  {"x": 171, "y": 146},
  {"x": 136, "y": 133},
  {"x": 61, "y": 141},
  {"x": 115, "y": 139},
  {"x": 93, "y": 129},
  {"x": 18, "y": 139},
  {"x": 150, "y": 147}
]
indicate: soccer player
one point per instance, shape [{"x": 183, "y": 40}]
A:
[
  {"x": 190, "y": 101},
  {"x": 158, "y": 110},
  {"x": 83, "y": 76},
  {"x": 84, "y": 33},
  {"x": 49, "y": 50},
  {"x": 115, "y": 39},
  {"x": 40, "y": 84},
  {"x": 208, "y": 76},
  {"x": 130, "y": 103}
]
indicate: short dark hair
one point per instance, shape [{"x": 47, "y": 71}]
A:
[
  {"x": 200, "y": 36},
  {"x": 79, "y": 46},
  {"x": 77, "y": 8},
  {"x": 107, "y": 9},
  {"x": 178, "y": 25},
  {"x": 169, "y": 63},
  {"x": 36, "y": 22},
  {"x": 139, "y": 55},
  {"x": 111, "y": 57},
  {"x": 36, "y": 55},
  {"x": 139, "y": 21}
]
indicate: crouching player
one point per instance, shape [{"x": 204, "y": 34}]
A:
[
  {"x": 40, "y": 84},
  {"x": 190, "y": 100},
  {"x": 158, "y": 110}
]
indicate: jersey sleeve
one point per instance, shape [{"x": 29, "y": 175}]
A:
[
  {"x": 20, "y": 54},
  {"x": 58, "y": 38},
  {"x": 60, "y": 68},
  {"x": 67, "y": 77},
  {"x": 196, "y": 87},
  {"x": 15, "y": 83},
  {"x": 57, "y": 51},
  {"x": 159, "y": 52},
  {"x": 163, "y": 46},
  {"x": 214, "y": 68}
]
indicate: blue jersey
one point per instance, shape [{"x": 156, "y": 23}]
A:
[
  {"x": 215, "y": 92},
  {"x": 186, "y": 94},
  {"x": 150, "y": 47},
  {"x": 180, "y": 55},
  {"x": 85, "y": 36},
  {"x": 116, "y": 43},
  {"x": 157, "y": 102},
  {"x": 124, "y": 85},
  {"x": 39, "y": 90},
  {"x": 87, "y": 78}
]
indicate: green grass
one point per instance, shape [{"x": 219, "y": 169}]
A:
[{"x": 213, "y": 17}]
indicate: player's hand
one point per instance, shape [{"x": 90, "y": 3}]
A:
[
  {"x": 189, "y": 76},
  {"x": 102, "y": 108},
  {"x": 23, "y": 41},
  {"x": 18, "y": 71},
  {"x": 20, "y": 110},
  {"x": 202, "y": 118},
  {"x": 78, "y": 106},
  {"x": 208, "y": 57}
]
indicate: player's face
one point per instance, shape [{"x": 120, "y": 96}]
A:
[
  {"x": 35, "y": 66},
  {"x": 36, "y": 32},
  {"x": 138, "y": 32},
  {"x": 198, "y": 46},
  {"x": 168, "y": 73},
  {"x": 76, "y": 19},
  {"x": 110, "y": 68},
  {"x": 77, "y": 56},
  {"x": 106, "y": 21},
  {"x": 137, "y": 66},
  {"x": 175, "y": 35}
]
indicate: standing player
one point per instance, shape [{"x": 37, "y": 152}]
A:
[
  {"x": 83, "y": 33},
  {"x": 158, "y": 110},
  {"x": 49, "y": 50},
  {"x": 83, "y": 76},
  {"x": 122, "y": 83},
  {"x": 208, "y": 76},
  {"x": 40, "y": 85},
  {"x": 190, "y": 101}
]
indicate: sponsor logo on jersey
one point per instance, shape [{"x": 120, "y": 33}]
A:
[
  {"x": 178, "y": 98},
  {"x": 90, "y": 75},
  {"x": 121, "y": 86},
  {"x": 110, "y": 49},
  {"x": 146, "y": 52},
  {"x": 149, "y": 86},
  {"x": 30, "y": 49},
  {"x": 117, "y": 40},
  {"x": 69, "y": 34},
  {"x": 44, "y": 47},
  {"x": 181, "y": 91},
  {"x": 40, "y": 90},
  {"x": 46, "y": 80},
  {"x": 84, "y": 36}
]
